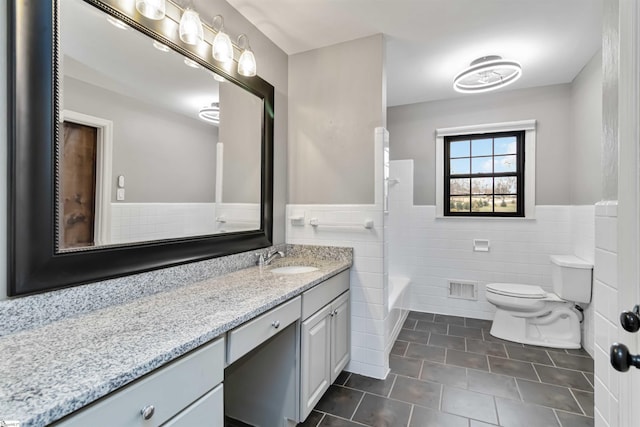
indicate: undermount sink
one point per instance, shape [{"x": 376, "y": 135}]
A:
[{"x": 294, "y": 269}]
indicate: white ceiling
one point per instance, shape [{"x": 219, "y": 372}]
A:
[{"x": 429, "y": 41}]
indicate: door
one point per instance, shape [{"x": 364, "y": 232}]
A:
[
  {"x": 315, "y": 370},
  {"x": 340, "y": 335},
  {"x": 629, "y": 197},
  {"x": 78, "y": 185}
]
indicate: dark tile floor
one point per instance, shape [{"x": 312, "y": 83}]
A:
[{"x": 447, "y": 371}]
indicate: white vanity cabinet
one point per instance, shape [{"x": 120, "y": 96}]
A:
[
  {"x": 179, "y": 394},
  {"x": 325, "y": 340}
]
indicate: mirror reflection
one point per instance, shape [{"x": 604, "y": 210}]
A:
[{"x": 152, "y": 146}]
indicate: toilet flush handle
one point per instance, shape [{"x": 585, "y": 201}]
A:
[{"x": 630, "y": 320}]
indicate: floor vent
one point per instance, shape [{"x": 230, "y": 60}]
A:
[{"x": 463, "y": 289}]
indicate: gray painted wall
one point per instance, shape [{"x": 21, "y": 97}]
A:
[
  {"x": 332, "y": 121},
  {"x": 272, "y": 66},
  {"x": 586, "y": 134},
  {"x": 165, "y": 157},
  {"x": 610, "y": 69},
  {"x": 412, "y": 134},
  {"x": 240, "y": 132}
]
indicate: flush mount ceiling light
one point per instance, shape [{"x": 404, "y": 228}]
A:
[
  {"x": 222, "y": 48},
  {"x": 486, "y": 74},
  {"x": 152, "y": 9},
  {"x": 191, "y": 31},
  {"x": 210, "y": 113},
  {"x": 247, "y": 61}
]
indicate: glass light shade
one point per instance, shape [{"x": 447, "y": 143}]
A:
[
  {"x": 210, "y": 113},
  {"x": 191, "y": 31},
  {"x": 117, "y": 23},
  {"x": 486, "y": 74},
  {"x": 222, "y": 47},
  {"x": 247, "y": 63},
  {"x": 152, "y": 9}
]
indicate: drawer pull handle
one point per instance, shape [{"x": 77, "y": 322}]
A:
[
  {"x": 335, "y": 312},
  {"x": 276, "y": 324},
  {"x": 147, "y": 412}
]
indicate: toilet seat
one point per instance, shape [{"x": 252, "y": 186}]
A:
[{"x": 517, "y": 290}]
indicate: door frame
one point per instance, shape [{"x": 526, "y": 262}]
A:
[
  {"x": 104, "y": 165},
  {"x": 629, "y": 196}
]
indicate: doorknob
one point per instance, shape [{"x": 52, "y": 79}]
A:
[
  {"x": 630, "y": 320},
  {"x": 621, "y": 360}
]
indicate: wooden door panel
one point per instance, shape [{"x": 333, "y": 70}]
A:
[{"x": 78, "y": 185}]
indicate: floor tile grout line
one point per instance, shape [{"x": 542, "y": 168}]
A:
[
  {"x": 410, "y": 415},
  {"x": 357, "y": 406},
  {"x": 395, "y": 378},
  {"x": 578, "y": 402},
  {"x": 555, "y": 412},
  {"x": 536, "y": 372},
  {"x": 518, "y": 388}
]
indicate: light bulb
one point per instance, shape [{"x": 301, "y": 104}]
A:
[
  {"x": 152, "y": 9},
  {"x": 191, "y": 31},
  {"x": 247, "y": 63},
  {"x": 222, "y": 48}
]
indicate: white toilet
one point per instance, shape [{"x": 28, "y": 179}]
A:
[{"x": 530, "y": 315}]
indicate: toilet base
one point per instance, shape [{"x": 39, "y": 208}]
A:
[{"x": 556, "y": 328}]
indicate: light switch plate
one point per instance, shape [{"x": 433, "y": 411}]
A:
[{"x": 120, "y": 194}]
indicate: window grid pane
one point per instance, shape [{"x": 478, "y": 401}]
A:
[{"x": 485, "y": 174}]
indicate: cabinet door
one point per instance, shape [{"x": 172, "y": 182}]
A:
[
  {"x": 206, "y": 411},
  {"x": 315, "y": 375},
  {"x": 340, "y": 335}
]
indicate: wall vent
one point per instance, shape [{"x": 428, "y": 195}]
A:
[{"x": 463, "y": 289}]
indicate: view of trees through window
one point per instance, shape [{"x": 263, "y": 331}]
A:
[{"x": 484, "y": 174}]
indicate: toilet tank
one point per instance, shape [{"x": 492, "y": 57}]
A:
[{"x": 571, "y": 277}]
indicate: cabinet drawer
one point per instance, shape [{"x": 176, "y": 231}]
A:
[
  {"x": 250, "y": 335},
  {"x": 207, "y": 411},
  {"x": 319, "y": 296},
  {"x": 169, "y": 389}
]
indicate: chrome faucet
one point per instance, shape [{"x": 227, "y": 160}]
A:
[{"x": 273, "y": 255}]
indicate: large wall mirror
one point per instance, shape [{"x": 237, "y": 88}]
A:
[{"x": 129, "y": 150}]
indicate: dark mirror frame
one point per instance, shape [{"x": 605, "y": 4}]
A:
[{"x": 34, "y": 264}]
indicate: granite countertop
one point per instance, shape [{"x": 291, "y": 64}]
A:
[{"x": 52, "y": 370}]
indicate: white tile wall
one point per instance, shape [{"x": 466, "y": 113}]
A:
[
  {"x": 583, "y": 235},
  {"x": 134, "y": 222},
  {"x": 431, "y": 250},
  {"x": 605, "y": 302},
  {"x": 237, "y": 216},
  {"x": 369, "y": 321}
]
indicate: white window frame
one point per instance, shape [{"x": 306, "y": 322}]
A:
[{"x": 528, "y": 126}]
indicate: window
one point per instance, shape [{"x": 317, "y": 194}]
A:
[
  {"x": 480, "y": 170},
  {"x": 484, "y": 174}
]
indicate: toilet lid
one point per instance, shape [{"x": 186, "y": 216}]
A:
[{"x": 516, "y": 290}]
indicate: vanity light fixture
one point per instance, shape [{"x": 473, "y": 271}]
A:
[
  {"x": 222, "y": 48},
  {"x": 152, "y": 9},
  {"x": 161, "y": 47},
  {"x": 486, "y": 74},
  {"x": 211, "y": 113},
  {"x": 191, "y": 63},
  {"x": 191, "y": 31},
  {"x": 247, "y": 61},
  {"x": 117, "y": 23}
]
